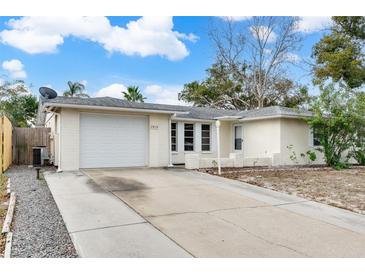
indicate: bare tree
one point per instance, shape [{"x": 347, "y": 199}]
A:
[{"x": 257, "y": 54}]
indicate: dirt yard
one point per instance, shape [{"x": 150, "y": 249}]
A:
[
  {"x": 344, "y": 188},
  {"x": 3, "y": 208}
]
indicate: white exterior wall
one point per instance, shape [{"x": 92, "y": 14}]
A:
[
  {"x": 70, "y": 139},
  {"x": 296, "y": 133},
  {"x": 226, "y": 138},
  {"x": 261, "y": 140},
  {"x": 265, "y": 141},
  {"x": 158, "y": 138}
]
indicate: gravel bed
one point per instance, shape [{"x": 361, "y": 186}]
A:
[{"x": 38, "y": 228}]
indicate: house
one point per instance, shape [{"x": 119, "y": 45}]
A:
[{"x": 110, "y": 132}]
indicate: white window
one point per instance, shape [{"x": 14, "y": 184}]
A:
[
  {"x": 189, "y": 137},
  {"x": 316, "y": 141},
  {"x": 173, "y": 136},
  {"x": 238, "y": 137},
  {"x": 205, "y": 137}
]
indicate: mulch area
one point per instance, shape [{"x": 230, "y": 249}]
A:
[{"x": 341, "y": 188}]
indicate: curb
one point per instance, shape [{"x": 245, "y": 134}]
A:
[
  {"x": 9, "y": 214},
  {"x": 7, "y": 222},
  {"x": 9, "y": 238}
]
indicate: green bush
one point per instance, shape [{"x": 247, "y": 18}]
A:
[{"x": 339, "y": 122}]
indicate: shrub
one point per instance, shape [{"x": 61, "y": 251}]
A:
[{"x": 335, "y": 122}]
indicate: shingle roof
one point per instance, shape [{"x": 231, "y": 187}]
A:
[
  {"x": 190, "y": 112},
  {"x": 206, "y": 113},
  {"x": 112, "y": 102},
  {"x": 203, "y": 113},
  {"x": 274, "y": 111}
]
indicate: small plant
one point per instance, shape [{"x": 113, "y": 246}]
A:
[
  {"x": 293, "y": 155},
  {"x": 359, "y": 156},
  {"x": 215, "y": 164},
  {"x": 311, "y": 156}
]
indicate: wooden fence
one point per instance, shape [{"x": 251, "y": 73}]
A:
[
  {"x": 6, "y": 131},
  {"x": 25, "y": 139}
]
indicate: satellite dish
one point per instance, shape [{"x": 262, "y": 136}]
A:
[{"x": 47, "y": 93}]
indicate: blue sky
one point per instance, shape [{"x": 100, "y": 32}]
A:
[{"x": 108, "y": 54}]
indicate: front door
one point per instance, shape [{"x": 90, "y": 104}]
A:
[{"x": 237, "y": 138}]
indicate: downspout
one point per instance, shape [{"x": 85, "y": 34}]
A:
[
  {"x": 218, "y": 124},
  {"x": 170, "y": 150},
  {"x": 59, "y": 141}
]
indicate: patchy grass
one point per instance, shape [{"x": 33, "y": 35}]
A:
[
  {"x": 341, "y": 188},
  {"x": 3, "y": 209}
]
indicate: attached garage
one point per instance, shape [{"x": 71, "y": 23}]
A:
[{"x": 113, "y": 140}]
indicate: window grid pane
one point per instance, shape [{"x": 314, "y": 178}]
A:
[
  {"x": 173, "y": 137},
  {"x": 205, "y": 139},
  {"x": 238, "y": 138},
  {"x": 205, "y": 147},
  {"x": 238, "y": 144},
  {"x": 189, "y": 137}
]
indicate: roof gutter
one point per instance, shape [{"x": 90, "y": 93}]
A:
[
  {"x": 228, "y": 118},
  {"x": 88, "y": 107},
  {"x": 192, "y": 119},
  {"x": 276, "y": 116}
]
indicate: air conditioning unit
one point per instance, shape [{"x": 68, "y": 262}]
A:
[{"x": 40, "y": 155}]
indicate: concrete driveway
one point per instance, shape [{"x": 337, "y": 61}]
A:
[
  {"x": 209, "y": 216},
  {"x": 101, "y": 225}
]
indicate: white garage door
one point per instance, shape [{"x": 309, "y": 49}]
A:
[{"x": 112, "y": 141}]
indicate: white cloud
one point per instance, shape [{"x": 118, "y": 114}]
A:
[
  {"x": 144, "y": 37},
  {"x": 190, "y": 37},
  {"x": 113, "y": 90},
  {"x": 236, "y": 18},
  {"x": 14, "y": 68},
  {"x": 263, "y": 32},
  {"x": 309, "y": 24},
  {"x": 163, "y": 94}
]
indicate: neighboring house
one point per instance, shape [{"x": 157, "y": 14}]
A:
[{"x": 109, "y": 132}]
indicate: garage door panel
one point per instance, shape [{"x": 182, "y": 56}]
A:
[{"x": 112, "y": 140}]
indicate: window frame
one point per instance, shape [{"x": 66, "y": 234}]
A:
[
  {"x": 210, "y": 138},
  {"x": 176, "y": 141},
  {"x": 193, "y": 137}
]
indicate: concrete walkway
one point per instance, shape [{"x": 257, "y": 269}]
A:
[
  {"x": 211, "y": 216},
  {"x": 101, "y": 225}
]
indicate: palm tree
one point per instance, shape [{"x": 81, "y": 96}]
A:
[
  {"x": 133, "y": 94},
  {"x": 75, "y": 89}
]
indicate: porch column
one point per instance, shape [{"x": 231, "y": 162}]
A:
[{"x": 218, "y": 124}]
